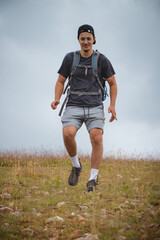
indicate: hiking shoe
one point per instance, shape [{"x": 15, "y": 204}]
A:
[
  {"x": 92, "y": 184},
  {"x": 73, "y": 178}
]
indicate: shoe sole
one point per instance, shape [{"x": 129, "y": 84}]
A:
[
  {"x": 90, "y": 189},
  {"x": 71, "y": 184}
]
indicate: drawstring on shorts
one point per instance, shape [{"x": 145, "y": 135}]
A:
[{"x": 86, "y": 117}]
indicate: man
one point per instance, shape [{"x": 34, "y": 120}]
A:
[{"x": 84, "y": 103}]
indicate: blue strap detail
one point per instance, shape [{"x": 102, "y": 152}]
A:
[
  {"x": 105, "y": 94},
  {"x": 75, "y": 61}
]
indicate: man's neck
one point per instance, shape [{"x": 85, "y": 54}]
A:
[{"x": 86, "y": 53}]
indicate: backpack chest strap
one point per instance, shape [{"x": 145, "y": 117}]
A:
[
  {"x": 86, "y": 93},
  {"x": 86, "y": 67}
]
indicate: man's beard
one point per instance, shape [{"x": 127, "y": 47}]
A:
[{"x": 86, "y": 50}]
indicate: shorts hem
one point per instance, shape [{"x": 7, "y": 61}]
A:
[
  {"x": 95, "y": 127},
  {"x": 70, "y": 124}
]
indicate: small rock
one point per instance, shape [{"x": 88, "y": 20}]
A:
[
  {"x": 16, "y": 214},
  {"x": 133, "y": 203},
  {"x": 6, "y": 224},
  {"x": 83, "y": 208},
  {"x": 152, "y": 225},
  {"x": 123, "y": 230},
  {"x": 6, "y": 195},
  {"x": 136, "y": 200},
  {"x": 6, "y": 210},
  {"x": 2, "y": 206},
  {"x": 88, "y": 237},
  {"x": 81, "y": 218},
  {"x": 34, "y": 209},
  {"x": 60, "y": 204},
  {"x": 86, "y": 215},
  {"x": 48, "y": 220},
  {"x": 121, "y": 238},
  {"x": 77, "y": 234},
  {"x": 122, "y": 206},
  {"x": 118, "y": 175},
  {"x": 38, "y": 214},
  {"x": 136, "y": 179},
  {"x": 57, "y": 218},
  {"x": 45, "y": 229},
  {"x": 10, "y": 204},
  {"x": 72, "y": 214},
  {"x": 28, "y": 230},
  {"x": 92, "y": 237},
  {"x": 34, "y": 188}
]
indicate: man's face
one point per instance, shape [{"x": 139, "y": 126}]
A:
[{"x": 86, "y": 41}]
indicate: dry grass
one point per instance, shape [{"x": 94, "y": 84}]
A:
[{"x": 126, "y": 202}]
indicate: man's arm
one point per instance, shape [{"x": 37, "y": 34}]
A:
[
  {"x": 58, "y": 91},
  {"x": 113, "y": 96}
]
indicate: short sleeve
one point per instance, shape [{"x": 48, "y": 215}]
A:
[
  {"x": 66, "y": 65},
  {"x": 107, "y": 69}
]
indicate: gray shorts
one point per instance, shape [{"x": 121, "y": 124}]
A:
[{"x": 93, "y": 117}]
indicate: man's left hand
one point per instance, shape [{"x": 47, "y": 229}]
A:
[{"x": 112, "y": 110}]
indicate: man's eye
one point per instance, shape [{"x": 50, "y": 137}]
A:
[
  {"x": 88, "y": 39},
  {"x": 82, "y": 39}
]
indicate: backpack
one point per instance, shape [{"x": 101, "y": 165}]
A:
[{"x": 76, "y": 59}]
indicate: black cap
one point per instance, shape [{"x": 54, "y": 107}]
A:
[{"x": 86, "y": 28}]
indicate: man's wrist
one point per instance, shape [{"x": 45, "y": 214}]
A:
[{"x": 112, "y": 105}]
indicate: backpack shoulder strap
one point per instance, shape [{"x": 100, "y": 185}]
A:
[
  {"x": 76, "y": 59},
  {"x": 95, "y": 58}
]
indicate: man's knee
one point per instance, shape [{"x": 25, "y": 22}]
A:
[
  {"x": 69, "y": 132},
  {"x": 96, "y": 136}
]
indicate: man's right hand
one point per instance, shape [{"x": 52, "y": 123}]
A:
[{"x": 54, "y": 104}]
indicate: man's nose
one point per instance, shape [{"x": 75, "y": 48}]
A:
[{"x": 85, "y": 41}]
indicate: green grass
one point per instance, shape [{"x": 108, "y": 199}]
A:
[{"x": 126, "y": 202}]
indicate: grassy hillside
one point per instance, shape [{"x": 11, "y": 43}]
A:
[{"x": 36, "y": 201}]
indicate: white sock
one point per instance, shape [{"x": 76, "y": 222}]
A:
[
  {"x": 75, "y": 161},
  {"x": 94, "y": 173}
]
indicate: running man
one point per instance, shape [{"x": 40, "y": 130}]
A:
[{"x": 84, "y": 101}]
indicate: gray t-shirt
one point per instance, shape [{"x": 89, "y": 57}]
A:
[{"x": 85, "y": 83}]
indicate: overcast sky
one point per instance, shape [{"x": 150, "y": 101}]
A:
[{"x": 34, "y": 38}]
